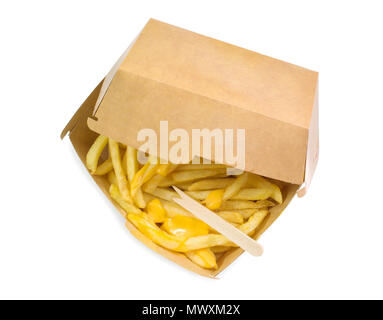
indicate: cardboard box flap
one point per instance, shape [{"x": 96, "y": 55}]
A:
[
  {"x": 195, "y": 82},
  {"x": 84, "y": 109},
  {"x": 312, "y": 147}
]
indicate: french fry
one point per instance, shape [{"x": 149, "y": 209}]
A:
[
  {"x": 124, "y": 163},
  {"x": 198, "y": 195},
  {"x": 259, "y": 182},
  {"x": 205, "y": 258},
  {"x": 245, "y": 213},
  {"x": 192, "y": 175},
  {"x": 206, "y": 241},
  {"x": 235, "y": 187},
  {"x": 131, "y": 164},
  {"x": 153, "y": 183},
  {"x": 211, "y": 184},
  {"x": 94, "y": 153},
  {"x": 165, "y": 168},
  {"x": 233, "y": 205},
  {"x": 231, "y": 216},
  {"x": 162, "y": 171},
  {"x": 116, "y": 196},
  {"x": 186, "y": 167},
  {"x": 104, "y": 168},
  {"x": 154, "y": 233},
  {"x": 144, "y": 174},
  {"x": 214, "y": 200},
  {"x": 183, "y": 186},
  {"x": 172, "y": 209},
  {"x": 156, "y": 211},
  {"x": 184, "y": 226},
  {"x": 114, "y": 151},
  {"x": 139, "y": 199},
  {"x": 165, "y": 194},
  {"x": 112, "y": 178},
  {"x": 220, "y": 249},
  {"x": 253, "y": 194},
  {"x": 254, "y": 221},
  {"x": 168, "y": 182}
]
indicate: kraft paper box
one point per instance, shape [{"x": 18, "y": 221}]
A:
[{"x": 193, "y": 81}]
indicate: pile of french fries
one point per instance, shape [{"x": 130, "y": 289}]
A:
[{"x": 145, "y": 194}]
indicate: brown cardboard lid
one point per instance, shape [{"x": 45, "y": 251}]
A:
[{"x": 193, "y": 81}]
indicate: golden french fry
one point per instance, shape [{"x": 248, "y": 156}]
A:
[
  {"x": 183, "y": 186},
  {"x": 162, "y": 171},
  {"x": 94, "y": 153},
  {"x": 214, "y": 199},
  {"x": 104, "y": 168},
  {"x": 185, "y": 167},
  {"x": 254, "y": 221},
  {"x": 219, "y": 249},
  {"x": 112, "y": 179},
  {"x": 131, "y": 162},
  {"x": 233, "y": 205},
  {"x": 231, "y": 216},
  {"x": 206, "y": 241},
  {"x": 114, "y": 151},
  {"x": 253, "y": 194},
  {"x": 165, "y": 168},
  {"x": 153, "y": 183},
  {"x": 131, "y": 165},
  {"x": 116, "y": 196},
  {"x": 246, "y": 213},
  {"x": 144, "y": 174},
  {"x": 205, "y": 258},
  {"x": 166, "y": 182},
  {"x": 211, "y": 184},
  {"x": 235, "y": 187},
  {"x": 172, "y": 209},
  {"x": 154, "y": 233},
  {"x": 156, "y": 211},
  {"x": 185, "y": 226},
  {"x": 198, "y": 195},
  {"x": 124, "y": 163},
  {"x": 191, "y": 175},
  {"x": 165, "y": 194},
  {"x": 260, "y": 182},
  {"x": 139, "y": 199}
]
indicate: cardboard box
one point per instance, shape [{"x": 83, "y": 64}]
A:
[{"x": 193, "y": 81}]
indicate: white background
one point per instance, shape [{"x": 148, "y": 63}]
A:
[{"x": 59, "y": 236}]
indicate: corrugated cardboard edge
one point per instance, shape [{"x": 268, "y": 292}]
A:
[
  {"x": 82, "y": 137},
  {"x": 312, "y": 146}
]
